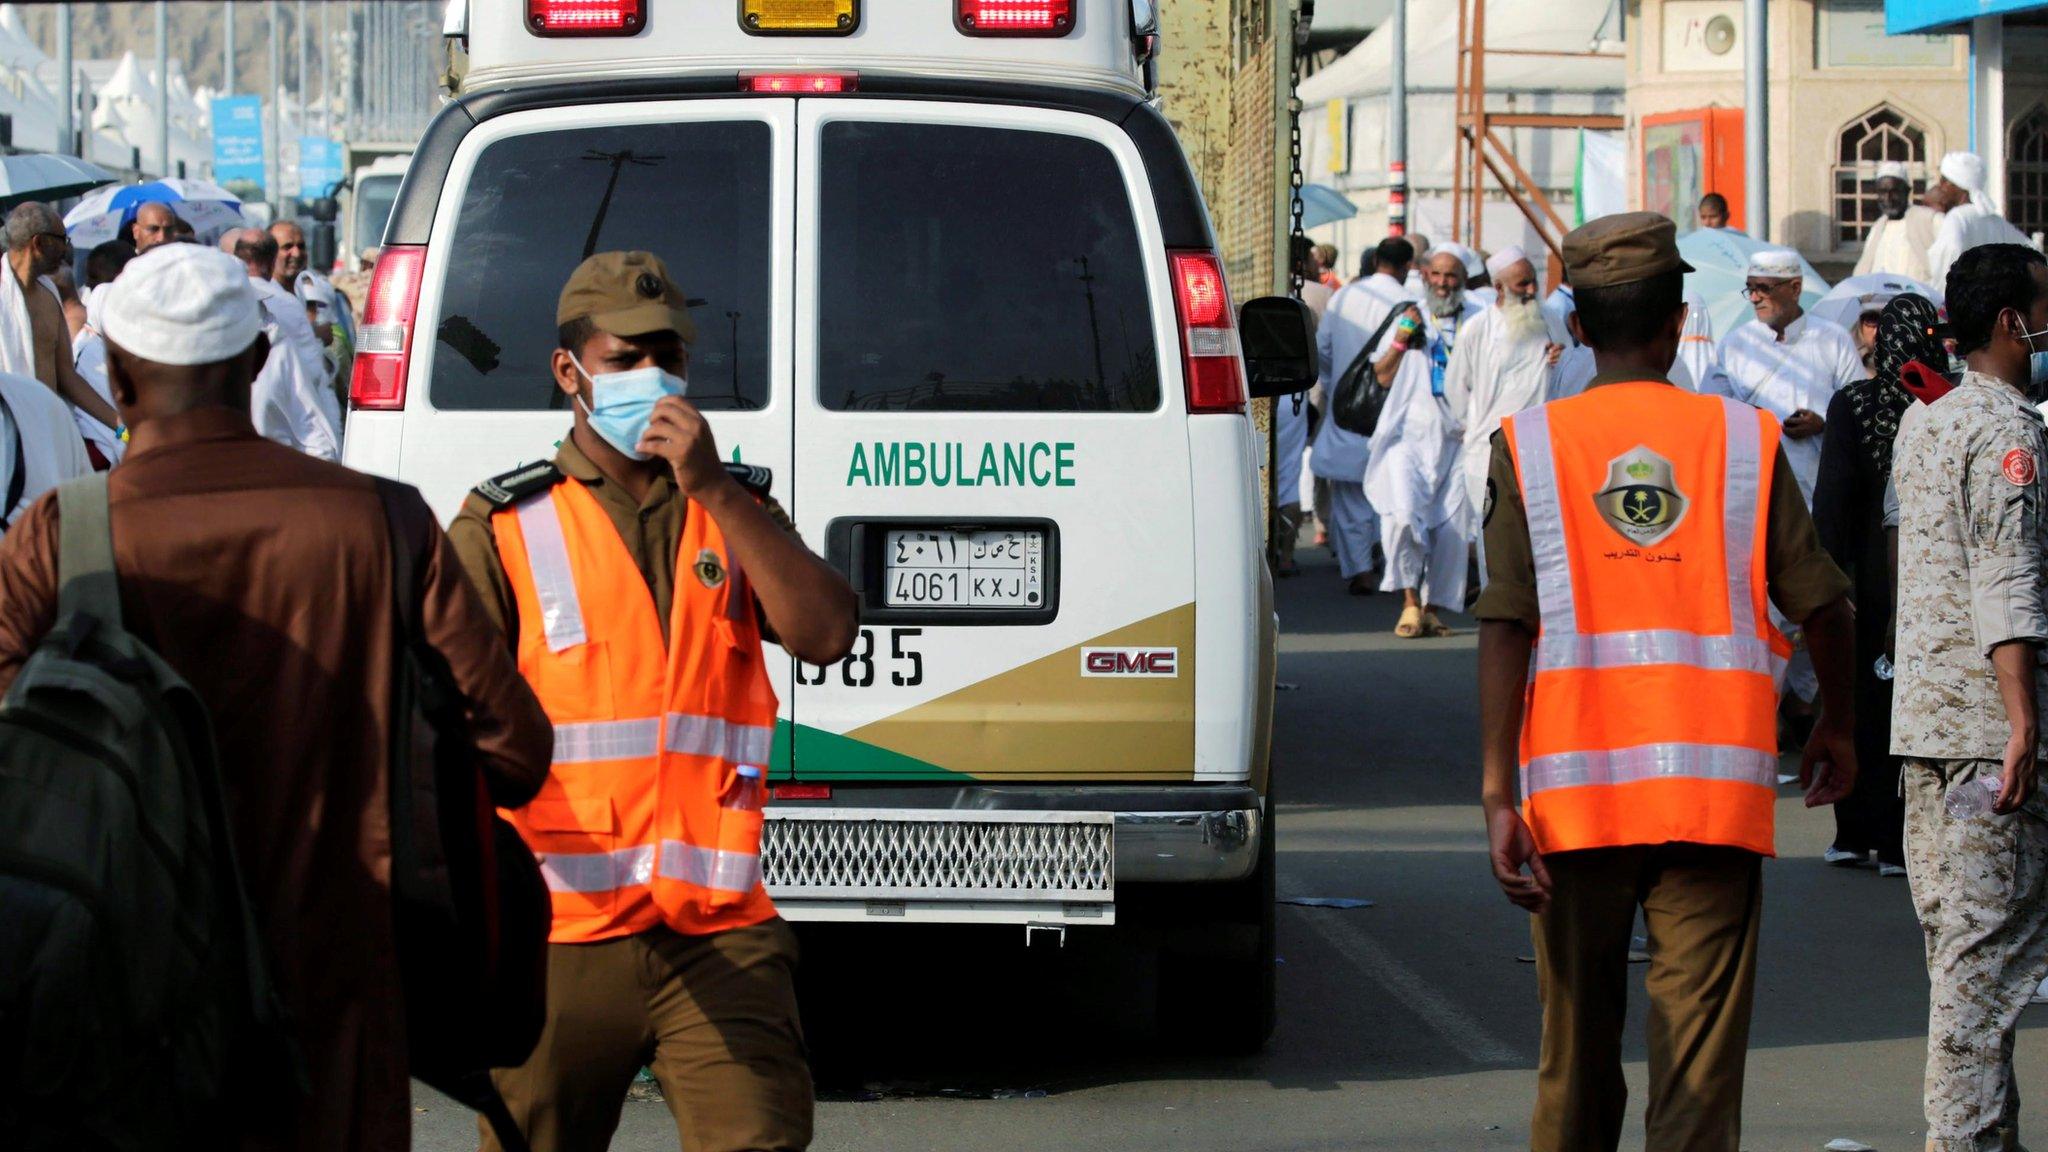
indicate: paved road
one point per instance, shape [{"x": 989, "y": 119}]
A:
[{"x": 1408, "y": 1025}]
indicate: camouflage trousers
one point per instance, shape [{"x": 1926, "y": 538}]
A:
[{"x": 1980, "y": 887}]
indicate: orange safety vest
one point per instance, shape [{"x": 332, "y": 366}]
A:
[
  {"x": 629, "y": 828},
  {"x": 1652, "y": 699}
]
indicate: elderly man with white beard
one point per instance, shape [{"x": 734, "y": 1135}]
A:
[
  {"x": 1504, "y": 361},
  {"x": 1414, "y": 480}
]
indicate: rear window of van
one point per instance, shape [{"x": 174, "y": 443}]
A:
[
  {"x": 698, "y": 195},
  {"x": 978, "y": 269}
]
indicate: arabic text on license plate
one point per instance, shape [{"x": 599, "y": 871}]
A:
[{"x": 941, "y": 569}]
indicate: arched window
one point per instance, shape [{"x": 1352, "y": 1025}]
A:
[
  {"x": 2026, "y": 171},
  {"x": 1884, "y": 133}
]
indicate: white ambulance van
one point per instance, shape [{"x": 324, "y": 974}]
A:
[{"x": 955, "y": 285}]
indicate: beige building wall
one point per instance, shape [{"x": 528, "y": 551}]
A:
[
  {"x": 1194, "y": 85},
  {"x": 1810, "y": 103}
]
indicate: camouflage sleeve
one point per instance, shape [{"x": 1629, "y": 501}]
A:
[
  {"x": 1510, "y": 591},
  {"x": 2002, "y": 507}
]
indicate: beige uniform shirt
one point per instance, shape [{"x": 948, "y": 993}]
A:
[{"x": 1971, "y": 550}]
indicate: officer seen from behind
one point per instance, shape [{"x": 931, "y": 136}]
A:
[
  {"x": 635, "y": 576},
  {"x": 1627, "y": 691}
]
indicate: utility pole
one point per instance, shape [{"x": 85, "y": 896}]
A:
[
  {"x": 326, "y": 56},
  {"x": 1397, "y": 123},
  {"x": 227, "y": 52},
  {"x": 272, "y": 156},
  {"x": 67, "y": 132},
  {"x": 1756, "y": 117},
  {"x": 163, "y": 90},
  {"x": 299, "y": 27}
]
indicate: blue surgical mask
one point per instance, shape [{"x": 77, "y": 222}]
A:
[{"x": 622, "y": 403}]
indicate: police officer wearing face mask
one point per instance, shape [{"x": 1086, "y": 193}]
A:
[
  {"x": 1969, "y": 694},
  {"x": 635, "y": 576}
]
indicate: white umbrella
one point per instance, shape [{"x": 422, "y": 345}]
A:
[
  {"x": 47, "y": 176},
  {"x": 100, "y": 217},
  {"x": 1720, "y": 261},
  {"x": 1844, "y": 302}
]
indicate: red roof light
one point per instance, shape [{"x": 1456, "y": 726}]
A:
[
  {"x": 800, "y": 84},
  {"x": 1016, "y": 17},
  {"x": 586, "y": 17}
]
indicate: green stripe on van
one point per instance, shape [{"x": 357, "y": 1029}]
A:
[{"x": 831, "y": 756}]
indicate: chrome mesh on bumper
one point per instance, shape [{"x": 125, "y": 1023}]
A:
[{"x": 895, "y": 854}]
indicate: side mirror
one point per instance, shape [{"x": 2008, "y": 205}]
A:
[
  {"x": 325, "y": 209},
  {"x": 1279, "y": 338}
]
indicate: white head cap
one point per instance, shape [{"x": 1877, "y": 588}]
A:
[
  {"x": 1965, "y": 170},
  {"x": 1503, "y": 260},
  {"x": 314, "y": 291},
  {"x": 182, "y": 304},
  {"x": 1894, "y": 170},
  {"x": 1774, "y": 264},
  {"x": 1470, "y": 259}
]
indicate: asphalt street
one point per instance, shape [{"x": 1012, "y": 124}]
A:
[{"x": 1410, "y": 1024}]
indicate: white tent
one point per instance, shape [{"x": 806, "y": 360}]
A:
[{"x": 1357, "y": 162}]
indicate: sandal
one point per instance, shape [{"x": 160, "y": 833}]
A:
[
  {"x": 1410, "y": 626},
  {"x": 1431, "y": 626}
]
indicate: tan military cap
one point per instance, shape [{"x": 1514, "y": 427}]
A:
[
  {"x": 626, "y": 294},
  {"x": 1622, "y": 249}
]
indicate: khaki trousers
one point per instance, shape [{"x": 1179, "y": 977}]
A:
[
  {"x": 1702, "y": 905},
  {"x": 713, "y": 1017}
]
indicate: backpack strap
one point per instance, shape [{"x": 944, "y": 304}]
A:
[{"x": 85, "y": 551}]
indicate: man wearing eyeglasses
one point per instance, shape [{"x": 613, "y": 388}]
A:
[
  {"x": 34, "y": 339},
  {"x": 1786, "y": 362}
]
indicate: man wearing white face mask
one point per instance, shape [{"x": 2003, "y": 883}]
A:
[{"x": 635, "y": 577}]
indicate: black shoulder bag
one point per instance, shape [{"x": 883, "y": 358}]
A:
[{"x": 1356, "y": 402}]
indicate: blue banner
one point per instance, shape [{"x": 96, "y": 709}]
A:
[
  {"x": 319, "y": 166},
  {"x": 238, "y": 141},
  {"x": 1928, "y": 15}
]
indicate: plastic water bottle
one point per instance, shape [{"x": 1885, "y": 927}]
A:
[
  {"x": 748, "y": 791},
  {"x": 1968, "y": 801}
]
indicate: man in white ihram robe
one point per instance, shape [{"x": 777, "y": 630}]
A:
[
  {"x": 1903, "y": 231},
  {"x": 1504, "y": 362},
  {"x": 1972, "y": 218},
  {"x": 1414, "y": 479},
  {"x": 1339, "y": 457}
]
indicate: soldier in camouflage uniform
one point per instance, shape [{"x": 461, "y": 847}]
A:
[{"x": 1973, "y": 524}]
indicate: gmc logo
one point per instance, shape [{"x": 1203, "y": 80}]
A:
[{"x": 1131, "y": 662}]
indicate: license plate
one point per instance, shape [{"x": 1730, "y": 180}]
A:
[{"x": 1000, "y": 568}]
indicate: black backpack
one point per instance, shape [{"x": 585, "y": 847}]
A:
[
  {"x": 135, "y": 998},
  {"x": 470, "y": 908}
]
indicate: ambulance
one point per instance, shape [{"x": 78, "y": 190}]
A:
[{"x": 957, "y": 289}]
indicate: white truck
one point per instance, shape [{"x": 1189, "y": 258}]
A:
[{"x": 955, "y": 285}]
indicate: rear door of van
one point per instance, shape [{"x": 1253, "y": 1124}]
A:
[
  {"x": 706, "y": 184},
  {"x": 992, "y": 438}
]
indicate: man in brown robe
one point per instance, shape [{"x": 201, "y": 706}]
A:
[{"x": 264, "y": 577}]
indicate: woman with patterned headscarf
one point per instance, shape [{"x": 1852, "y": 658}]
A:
[{"x": 1848, "y": 509}]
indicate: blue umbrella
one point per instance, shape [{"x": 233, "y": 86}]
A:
[
  {"x": 1322, "y": 204},
  {"x": 102, "y": 215},
  {"x": 1720, "y": 262}
]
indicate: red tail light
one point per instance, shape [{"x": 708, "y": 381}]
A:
[
  {"x": 586, "y": 17},
  {"x": 1016, "y": 17},
  {"x": 799, "y": 84},
  {"x": 1208, "y": 333},
  {"x": 384, "y": 336}
]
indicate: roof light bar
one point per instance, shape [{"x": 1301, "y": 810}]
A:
[
  {"x": 586, "y": 17},
  {"x": 799, "y": 83},
  {"x": 1015, "y": 17}
]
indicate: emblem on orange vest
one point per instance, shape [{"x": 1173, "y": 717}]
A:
[
  {"x": 709, "y": 571},
  {"x": 1641, "y": 500}
]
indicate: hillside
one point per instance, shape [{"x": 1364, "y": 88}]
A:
[{"x": 104, "y": 31}]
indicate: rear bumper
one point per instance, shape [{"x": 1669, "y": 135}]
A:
[{"x": 1002, "y": 853}]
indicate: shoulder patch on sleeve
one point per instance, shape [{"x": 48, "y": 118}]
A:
[
  {"x": 508, "y": 488},
  {"x": 753, "y": 477},
  {"x": 2019, "y": 466}
]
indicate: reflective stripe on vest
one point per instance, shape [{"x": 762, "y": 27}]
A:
[
  {"x": 1651, "y": 762},
  {"x": 1562, "y": 646},
  {"x": 553, "y": 582},
  {"x": 597, "y": 740},
  {"x": 589, "y": 872}
]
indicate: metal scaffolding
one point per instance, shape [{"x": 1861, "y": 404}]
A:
[{"x": 1481, "y": 151}]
